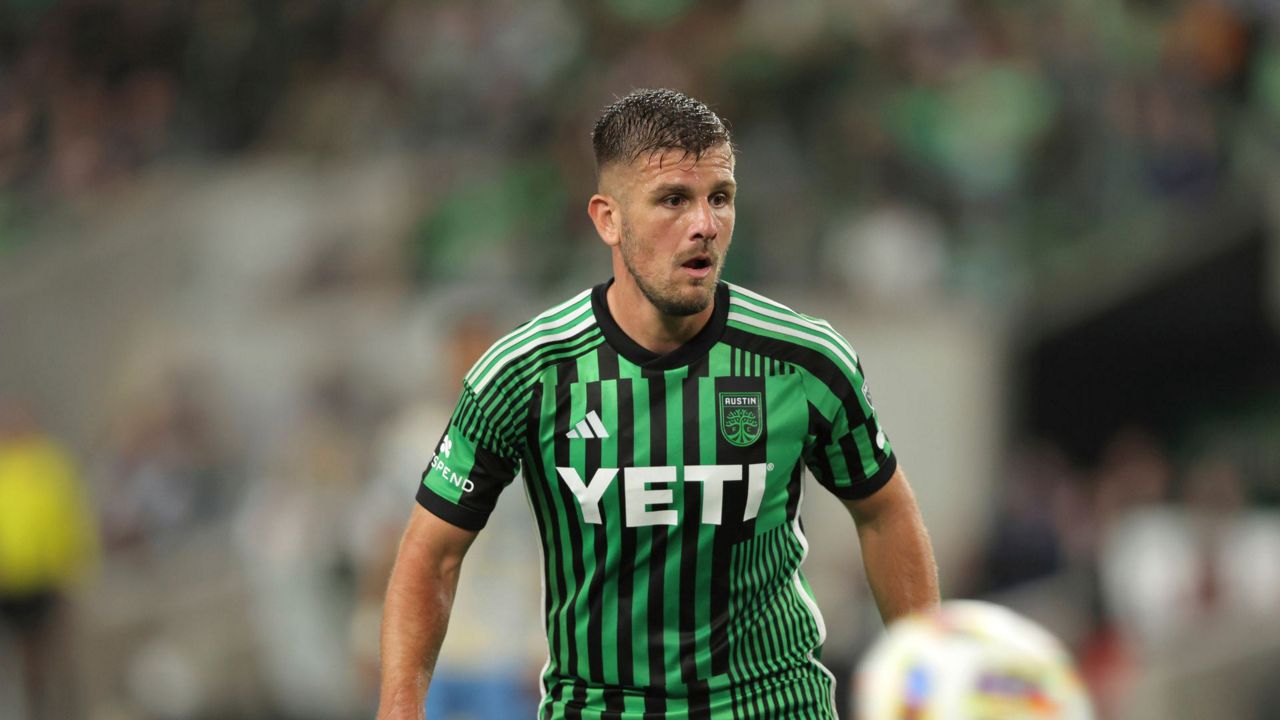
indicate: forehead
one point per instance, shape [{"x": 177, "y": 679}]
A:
[{"x": 676, "y": 165}]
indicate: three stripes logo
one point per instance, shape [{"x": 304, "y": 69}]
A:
[{"x": 588, "y": 428}]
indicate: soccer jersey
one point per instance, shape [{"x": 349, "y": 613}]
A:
[{"x": 666, "y": 491}]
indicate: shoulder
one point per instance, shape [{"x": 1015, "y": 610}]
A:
[
  {"x": 567, "y": 325},
  {"x": 812, "y": 341}
]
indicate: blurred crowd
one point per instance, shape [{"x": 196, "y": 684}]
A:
[
  {"x": 1137, "y": 559},
  {"x": 991, "y": 142},
  {"x": 894, "y": 152}
]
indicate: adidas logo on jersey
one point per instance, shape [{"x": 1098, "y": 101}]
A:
[{"x": 588, "y": 428}]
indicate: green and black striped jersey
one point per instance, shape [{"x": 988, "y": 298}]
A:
[{"x": 667, "y": 491}]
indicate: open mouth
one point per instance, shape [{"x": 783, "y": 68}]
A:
[{"x": 701, "y": 262}]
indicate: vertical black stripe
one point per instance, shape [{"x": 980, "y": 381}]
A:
[
  {"x": 700, "y": 367},
  {"x": 720, "y": 615},
  {"x": 699, "y": 698},
  {"x": 852, "y": 458},
  {"x": 818, "y": 460},
  {"x": 805, "y": 626},
  {"x": 536, "y": 482},
  {"x": 627, "y": 552},
  {"x": 595, "y": 588},
  {"x": 559, "y": 589},
  {"x": 567, "y": 375},
  {"x": 607, "y": 361},
  {"x": 658, "y": 549},
  {"x": 614, "y": 701},
  {"x": 759, "y": 637},
  {"x": 794, "y": 490},
  {"x": 743, "y": 563}
]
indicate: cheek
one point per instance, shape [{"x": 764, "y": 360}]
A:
[
  {"x": 726, "y": 228},
  {"x": 662, "y": 235},
  {"x": 643, "y": 241}
]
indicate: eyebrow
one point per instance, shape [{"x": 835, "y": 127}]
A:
[{"x": 682, "y": 189}]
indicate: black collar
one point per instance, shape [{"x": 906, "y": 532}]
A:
[{"x": 697, "y": 346}]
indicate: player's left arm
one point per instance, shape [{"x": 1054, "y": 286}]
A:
[{"x": 896, "y": 550}]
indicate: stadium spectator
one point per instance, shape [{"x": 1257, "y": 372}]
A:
[{"x": 47, "y": 540}]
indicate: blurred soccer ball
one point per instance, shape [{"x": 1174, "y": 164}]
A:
[{"x": 970, "y": 660}]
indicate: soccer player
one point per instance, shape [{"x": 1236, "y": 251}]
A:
[{"x": 662, "y": 421}]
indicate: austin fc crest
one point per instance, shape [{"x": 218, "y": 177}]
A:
[{"x": 741, "y": 417}]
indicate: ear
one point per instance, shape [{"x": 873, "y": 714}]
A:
[{"x": 605, "y": 213}]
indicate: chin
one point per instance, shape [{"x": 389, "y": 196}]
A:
[
  {"x": 688, "y": 302},
  {"x": 679, "y": 296}
]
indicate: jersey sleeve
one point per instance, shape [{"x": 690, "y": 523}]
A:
[
  {"x": 846, "y": 448},
  {"x": 471, "y": 465}
]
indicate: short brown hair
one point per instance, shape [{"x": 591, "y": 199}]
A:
[{"x": 648, "y": 121}]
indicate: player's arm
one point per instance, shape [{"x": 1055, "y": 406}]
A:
[
  {"x": 416, "y": 613},
  {"x": 896, "y": 550}
]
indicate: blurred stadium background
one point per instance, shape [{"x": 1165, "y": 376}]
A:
[{"x": 247, "y": 249}]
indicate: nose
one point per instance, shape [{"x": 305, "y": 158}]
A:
[{"x": 704, "y": 225}]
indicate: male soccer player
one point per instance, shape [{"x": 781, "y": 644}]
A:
[{"x": 662, "y": 421}]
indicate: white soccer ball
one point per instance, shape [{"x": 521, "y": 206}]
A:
[{"x": 969, "y": 660}]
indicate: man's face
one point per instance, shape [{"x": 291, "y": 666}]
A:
[{"x": 676, "y": 221}]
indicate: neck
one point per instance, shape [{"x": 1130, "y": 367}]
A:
[{"x": 649, "y": 327}]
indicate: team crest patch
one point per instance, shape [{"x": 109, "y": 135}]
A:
[{"x": 741, "y": 417}]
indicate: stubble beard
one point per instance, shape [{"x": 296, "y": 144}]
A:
[{"x": 666, "y": 300}]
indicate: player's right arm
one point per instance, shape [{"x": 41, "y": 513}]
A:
[
  {"x": 473, "y": 462},
  {"x": 416, "y": 613}
]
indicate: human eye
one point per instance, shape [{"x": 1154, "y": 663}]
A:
[
  {"x": 721, "y": 199},
  {"x": 672, "y": 201}
]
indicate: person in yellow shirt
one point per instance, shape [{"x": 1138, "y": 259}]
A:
[{"x": 47, "y": 539}]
